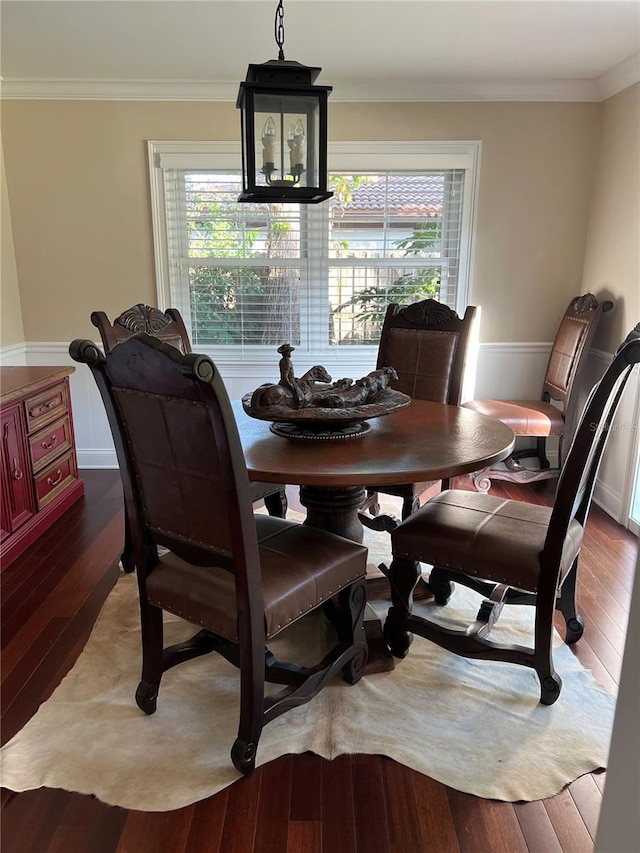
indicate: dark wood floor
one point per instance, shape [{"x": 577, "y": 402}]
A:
[{"x": 50, "y": 599}]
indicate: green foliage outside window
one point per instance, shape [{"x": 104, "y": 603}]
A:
[
  {"x": 218, "y": 296},
  {"x": 242, "y": 304},
  {"x": 371, "y": 302},
  {"x": 260, "y": 304}
]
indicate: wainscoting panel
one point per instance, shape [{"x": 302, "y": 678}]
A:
[{"x": 513, "y": 370}]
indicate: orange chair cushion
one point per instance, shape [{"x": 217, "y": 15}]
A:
[{"x": 525, "y": 417}]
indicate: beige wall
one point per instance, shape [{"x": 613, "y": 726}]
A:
[
  {"x": 612, "y": 258},
  {"x": 11, "y": 328},
  {"x": 533, "y": 200},
  {"x": 78, "y": 185}
]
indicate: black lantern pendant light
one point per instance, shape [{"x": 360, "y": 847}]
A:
[{"x": 283, "y": 121}]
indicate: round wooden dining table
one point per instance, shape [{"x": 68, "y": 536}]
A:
[{"x": 422, "y": 442}]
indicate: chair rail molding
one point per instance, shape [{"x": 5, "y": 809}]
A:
[{"x": 503, "y": 370}]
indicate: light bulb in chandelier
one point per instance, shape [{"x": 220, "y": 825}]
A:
[
  {"x": 296, "y": 141},
  {"x": 268, "y": 144}
]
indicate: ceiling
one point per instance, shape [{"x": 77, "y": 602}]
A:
[{"x": 368, "y": 49}]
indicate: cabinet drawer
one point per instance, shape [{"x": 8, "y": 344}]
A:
[
  {"x": 55, "y": 479},
  {"x": 46, "y": 406},
  {"x": 49, "y": 443},
  {"x": 17, "y": 491}
]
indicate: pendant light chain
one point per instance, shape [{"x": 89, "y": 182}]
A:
[{"x": 279, "y": 29}]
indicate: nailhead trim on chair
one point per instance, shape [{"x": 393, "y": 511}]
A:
[
  {"x": 464, "y": 570},
  {"x": 222, "y": 633}
]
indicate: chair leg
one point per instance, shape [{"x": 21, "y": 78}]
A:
[
  {"x": 409, "y": 506},
  {"x": 243, "y": 754},
  {"x": 245, "y": 747},
  {"x": 403, "y": 577},
  {"x": 126, "y": 558},
  {"x": 482, "y": 480},
  {"x": 152, "y": 658},
  {"x": 276, "y": 503},
  {"x": 353, "y": 601},
  {"x": 568, "y": 606},
  {"x": 541, "y": 447},
  {"x": 371, "y": 503},
  {"x": 550, "y": 681},
  {"x": 440, "y": 586},
  {"x": 550, "y": 687}
]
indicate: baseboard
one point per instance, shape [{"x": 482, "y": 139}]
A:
[
  {"x": 97, "y": 459},
  {"x": 609, "y": 500}
]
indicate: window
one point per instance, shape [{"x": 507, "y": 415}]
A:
[{"x": 250, "y": 277}]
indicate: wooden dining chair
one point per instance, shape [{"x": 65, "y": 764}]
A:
[
  {"x": 168, "y": 326},
  {"x": 240, "y": 579},
  {"x": 554, "y": 414},
  {"x": 426, "y": 342},
  {"x": 510, "y": 551}
]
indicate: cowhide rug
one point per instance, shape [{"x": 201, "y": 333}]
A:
[{"x": 473, "y": 725}]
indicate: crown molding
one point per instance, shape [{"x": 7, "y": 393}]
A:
[
  {"x": 344, "y": 91},
  {"x": 118, "y": 90},
  {"x": 619, "y": 77}
]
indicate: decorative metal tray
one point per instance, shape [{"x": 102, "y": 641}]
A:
[
  {"x": 315, "y": 407},
  {"x": 326, "y": 423}
]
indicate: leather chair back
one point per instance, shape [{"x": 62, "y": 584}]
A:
[
  {"x": 426, "y": 343},
  {"x": 178, "y": 449},
  {"x": 578, "y": 476},
  {"x": 571, "y": 344}
]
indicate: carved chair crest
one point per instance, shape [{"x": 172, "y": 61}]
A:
[
  {"x": 143, "y": 318},
  {"x": 428, "y": 312},
  {"x": 584, "y": 304}
]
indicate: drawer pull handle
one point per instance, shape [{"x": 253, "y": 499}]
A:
[
  {"x": 17, "y": 472},
  {"x": 51, "y": 443},
  {"x": 58, "y": 479},
  {"x": 43, "y": 407}
]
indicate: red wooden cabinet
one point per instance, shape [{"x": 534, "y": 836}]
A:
[
  {"x": 18, "y": 502},
  {"x": 39, "y": 471}
]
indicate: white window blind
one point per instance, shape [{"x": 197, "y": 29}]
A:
[{"x": 317, "y": 276}]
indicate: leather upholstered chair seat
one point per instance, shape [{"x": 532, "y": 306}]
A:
[
  {"x": 200, "y": 552},
  {"x": 510, "y": 551},
  {"x": 483, "y": 536},
  {"x": 316, "y": 568},
  {"x": 533, "y": 418}
]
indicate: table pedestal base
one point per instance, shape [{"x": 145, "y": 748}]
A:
[{"x": 336, "y": 510}]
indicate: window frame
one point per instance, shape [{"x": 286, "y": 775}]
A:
[{"x": 351, "y": 157}]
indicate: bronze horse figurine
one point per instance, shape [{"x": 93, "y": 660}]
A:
[
  {"x": 280, "y": 395},
  {"x": 365, "y": 390}
]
